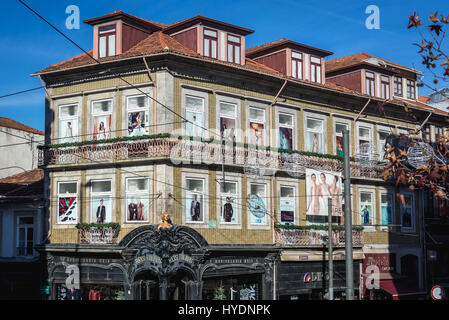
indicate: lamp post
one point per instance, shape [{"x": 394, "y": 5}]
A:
[
  {"x": 330, "y": 251},
  {"x": 348, "y": 219}
]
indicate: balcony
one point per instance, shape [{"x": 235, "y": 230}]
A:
[
  {"x": 315, "y": 238},
  {"x": 98, "y": 234},
  {"x": 257, "y": 161}
]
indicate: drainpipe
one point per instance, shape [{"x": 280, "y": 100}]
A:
[{"x": 47, "y": 206}]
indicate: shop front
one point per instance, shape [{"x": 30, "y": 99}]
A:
[
  {"x": 305, "y": 276},
  {"x": 151, "y": 263}
]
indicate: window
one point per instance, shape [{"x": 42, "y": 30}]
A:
[
  {"x": 426, "y": 133},
  {"x": 258, "y": 204},
  {"x": 68, "y": 124},
  {"x": 194, "y": 114},
  {"x": 233, "y": 49},
  {"x": 386, "y": 208},
  {"x": 257, "y": 126},
  {"x": 370, "y": 86},
  {"x": 339, "y": 128},
  {"x": 228, "y": 117},
  {"x": 106, "y": 41},
  {"x": 438, "y": 132},
  {"x": 366, "y": 208},
  {"x": 287, "y": 205},
  {"x": 314, "y": 135},
  {"x": 210, "y": 43},
  {"x": 297, "y": 65},
  {"x": 407, "y": 212},
  {"x": 228, "y": 196},
  {"x": 138, "y": 116},
  {"x": 101, "y": 119},
  {"x": 385, "y": 87},
  {"x": 315, "y": 69},
  {"x": 67, "y": 202},
  {"x": 285, "y": 131},
  {"x": 194, "y": 200},
  {"x": 398, "y": 86},
  {"x": 137, "y": 200},
  {"x": 381, "y": 140},
  {"x": 411, "y": 89},
  {"x": 25, "y": 235},
  {"x": 101, "y": 206},
  {"x": 364, "y": 144}
]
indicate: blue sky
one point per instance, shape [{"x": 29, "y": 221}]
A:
[{"x": 27, "y": 44}]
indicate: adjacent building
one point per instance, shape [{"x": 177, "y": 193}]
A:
[{"x": 241, "y": 146}]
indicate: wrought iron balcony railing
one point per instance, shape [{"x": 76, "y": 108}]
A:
[
  {"x": 186, "y": 151},
  {"x": 310, "y": 238},
  {"x": 97, "y": 235}
]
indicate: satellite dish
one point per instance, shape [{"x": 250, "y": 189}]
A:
[{"x": 256, "y": 205}]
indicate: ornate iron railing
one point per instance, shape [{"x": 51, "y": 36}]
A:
[
  {"x": 306, "y": 238},
  {"x": 187, "y": 151},
  {"x": 97, "y": 235}
]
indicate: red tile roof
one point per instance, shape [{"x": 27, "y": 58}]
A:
[
  {"x": 357, "y": 59},
  {"x": 424, "y": 99},
  {"x": 251, "y": 52},
  {"x": 25, "y": 177},
  {"x": 12, "y": 124},
  {"x": 23, "y": 185}
]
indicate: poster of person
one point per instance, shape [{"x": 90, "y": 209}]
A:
[
  {"x": 68, "y": 130},
  {"x": 101, "y": 127},
  {"x": 136, "y": 124},
  {"x": 258, "y": 208},
  {"x": 67, "y": 212},
  {"x": 194, "y": 207},
  {"x": 227, "y": 129},
  {"x": 194, "y": 126},
  {"x": 313, "y": 142},
  {"x": 385, "y": 209},
  {"x": 287, "y": 211},
  {"x": 406, "y": 212},
  {"x": 228, "y": 210},
  {"x": 286, "y": 138},
  {"x": 137, "y": 207},
  {"x": 256, "y": 136},
  {"x": 339, "y": 146},
  {"x": 320, "y": 186},
  {"x": 366, "y": 212},
  {"x": 101, "y": 209}
]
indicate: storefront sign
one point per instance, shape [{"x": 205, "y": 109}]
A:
[
  {"x": 235, "y": 260},
  {"x": 314, "y": 276},
  {"x": 181, "y": 257},
  {"x": 148, "y": 258},
  {"x": 384, "y": 261}
]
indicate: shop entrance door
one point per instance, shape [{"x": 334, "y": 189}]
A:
[
  {"x": 146, "y": 286},
  {"x": 178, "y": 285}
]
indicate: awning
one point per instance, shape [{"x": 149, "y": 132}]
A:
[
  {"x": 396, "y": 285},
  {"x": 399, "y": 289}
]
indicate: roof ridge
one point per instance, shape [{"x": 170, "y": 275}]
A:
[{"x": 16, "y": 125}]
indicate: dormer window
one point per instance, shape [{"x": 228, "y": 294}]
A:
[
  {"x": 315, "y": 69},
  {"x": 297, "y": 65},
  {"x": 210, "y": 43},
  {"x": 411, "y": 89},
  {"x": 106, "y": 41},
  {"x": 398, "y": 86},
  {"x": 370, "y": 88},
  {"x": 234, "y": 49},
  {"x": 385, "y": 87}
]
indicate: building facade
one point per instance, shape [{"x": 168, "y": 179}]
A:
[{"x": 238, "y": 145}]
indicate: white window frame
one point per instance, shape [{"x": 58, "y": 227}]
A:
[
  {"x": 18, "y": 226},
  {"x": 364, "y": 125},
  {"x": 146, "y": 109},
  {"x": 295, "y": 209},
  {"x": 238, "y": 203},
  {"x": 65, "y": 195},
  {"x": 100, "y": 194},
  {"x": 347, "y": 123},
  {"x": 323, "y": 132},
  {"x": 71, "y": 118},
  {"x": 267, "y": 184},
  {"x": 413, "y": 213},
  {"x": 264, "y": 122},
  {"x": 205, "y": 204},
  {"x": 198, "y": 95},
  {"x": 391, "y": 193},
  {"x": 103, "y": 113},
  {"x": 369, "y": 227},
  {"x": 235, "y": 117},
  {"x": 379, "y": 149},
  {"x": 145, "y": 194},
  {"x": 292, "y": 127}
]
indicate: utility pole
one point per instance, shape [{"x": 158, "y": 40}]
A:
[
  {"x": 330, "y": 250},
  {"x": 348, "y": 219}
]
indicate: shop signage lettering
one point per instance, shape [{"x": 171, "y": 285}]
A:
[
  {"x": 314, "y": 276},
  {"x": 151, "y": 258},
  {"x": 86, "y": 260},
  {"x": 181, "y": 257},
  {"x": 234, "y": 261}
]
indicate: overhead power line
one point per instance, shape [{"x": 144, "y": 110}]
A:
[{"x": 20, "y": 92}]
